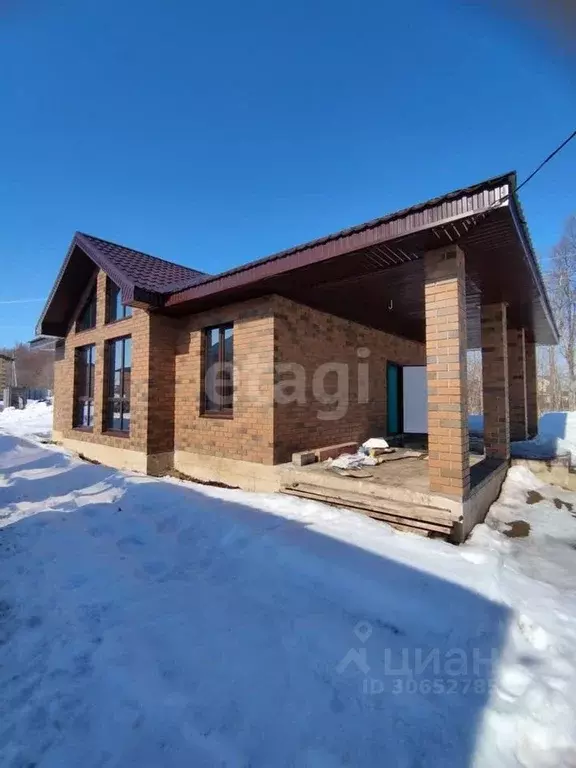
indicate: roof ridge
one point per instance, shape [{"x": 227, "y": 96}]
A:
[{"x": 141, "y": 253}]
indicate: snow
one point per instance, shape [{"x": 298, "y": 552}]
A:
[
  {"x": 556, "y": 437},
  {"x": 476, "y": 423},
  {"x": 34, "y": 420},
  {"x": 148, "y": 622}
]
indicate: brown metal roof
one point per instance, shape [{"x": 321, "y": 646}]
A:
[
  {"x": 371, "y": 273},
  {"x": 150, "y": 273},
  {"x": 140, "y": 276},
  {"x": 446, "y": 207}
]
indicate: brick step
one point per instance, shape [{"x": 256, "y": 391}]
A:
[{"x": 431, "y": 521}]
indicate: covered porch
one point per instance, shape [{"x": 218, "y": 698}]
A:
[
  {"x": 456, "y": 273},
  {"x": 399, "y": 493}
]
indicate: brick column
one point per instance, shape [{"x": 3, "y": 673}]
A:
[
  {"x": 495, "y": 382},
  {"x": 161, "y": 360},
  {"x": 517, "y": 383},
  {"x": 446, "y": 345},
  {"x": 531, "y": 389}
]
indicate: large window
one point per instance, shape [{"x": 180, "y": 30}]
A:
[
  {"x": 115, "y": 310},
  {"x": 87, "y": 317},
  {"x": 84, "y": 362},
  {"x": 117, "y": 385},
  {"x": 218, "y": 389}
]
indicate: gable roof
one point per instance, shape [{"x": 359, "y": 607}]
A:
[
  {"x": 140, "y": 277},
  {"x": 346, "y": 273},
  {"x": 137, "y": 268}
]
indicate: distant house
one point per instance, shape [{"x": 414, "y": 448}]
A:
[
  {"x": 164, "y": 366},
  {"x": 43, "y": 343}
]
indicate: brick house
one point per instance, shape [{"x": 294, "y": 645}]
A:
[{"x": 309, "y": 346}]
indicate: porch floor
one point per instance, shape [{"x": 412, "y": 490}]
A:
[
  {"x": 397, "y": 492},
  {"x": 409, "y": 473}
]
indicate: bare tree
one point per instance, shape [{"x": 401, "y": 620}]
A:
[
  {"x": 562, "y": 289},
  {"x": 34, "y": 367},
  {"x": 474, "y": 381}
]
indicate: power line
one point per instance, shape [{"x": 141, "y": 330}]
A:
[
  {"x": 500, "y": 201},
  {"x": 547, "y": 160}
]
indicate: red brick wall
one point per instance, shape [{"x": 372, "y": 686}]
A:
[
  {"x": 137, "y": 327},
  {"x": 311, "y": 339},
  {"x": 249, "y": 434},
  {"x": 166, "y": 380}
]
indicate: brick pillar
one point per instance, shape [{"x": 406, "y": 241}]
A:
[
  {"x": 446, "y": 345},
  {"x": 517, "y": 383},
  {"x": 495, "y": 382},
  {"x": 531, "y": 389},
  {"x": 161, "y": 358}
]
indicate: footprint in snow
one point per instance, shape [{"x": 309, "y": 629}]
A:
[
  {"x": 129, "y": 544},
  {"x": 513, "y": 682},
  {"x": 154, "y": 567},
  {"x": 100, "y": 530},
  {"x": 533, "y": 632},
  {"x": 167, "y": 525}
]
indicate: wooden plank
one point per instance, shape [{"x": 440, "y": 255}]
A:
[
  {"x": 379, "y": 514},
  {"x": 302, "y": 458},
  {"x": 402, "y": 523},
  {"x": 403, "y": 509}
]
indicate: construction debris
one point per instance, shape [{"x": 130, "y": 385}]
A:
[{"x": 303, "y": 458}]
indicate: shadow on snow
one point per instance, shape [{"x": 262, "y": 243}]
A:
[{"x": 150, "y": 623}]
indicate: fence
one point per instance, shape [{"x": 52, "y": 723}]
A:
[
  {"x": 17, "y": 397},
  {"x": 39, "y": 393}
]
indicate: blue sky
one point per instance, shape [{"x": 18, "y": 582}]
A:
[{"x": 215, "y": 133}]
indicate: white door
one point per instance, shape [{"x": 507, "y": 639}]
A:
[{"x": 415, "y": 399}]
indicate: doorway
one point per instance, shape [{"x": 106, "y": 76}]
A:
[
  {"x": 406, "y": 400},
  {"x": 394, "y": 399}
]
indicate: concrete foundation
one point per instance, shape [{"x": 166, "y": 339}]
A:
[
  {"x": 482, "y": 495},
  {"x": 554, "y": 471},
  {"x": 159, "y": 463},
  {"x": 119, "y": 458},
  {"x": 247, "y": 475}
]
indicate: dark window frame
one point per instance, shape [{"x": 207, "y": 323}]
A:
[
  {"x": 110, "y": 398},
  {"x": 87, "y": 398},
  {"x": 89, "y": 304},
  {"x": 207, "y": 407},
  {"x": 113, "y": 294}
]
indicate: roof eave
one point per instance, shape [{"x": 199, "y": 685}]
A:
[
  {"x": 39, "y": 329},
  {"x": 531, "y": 260},
  {"x": 131, "y": 294},
  {"x": 122, "y": 280},
  {"x": 347, "y": 241}
]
